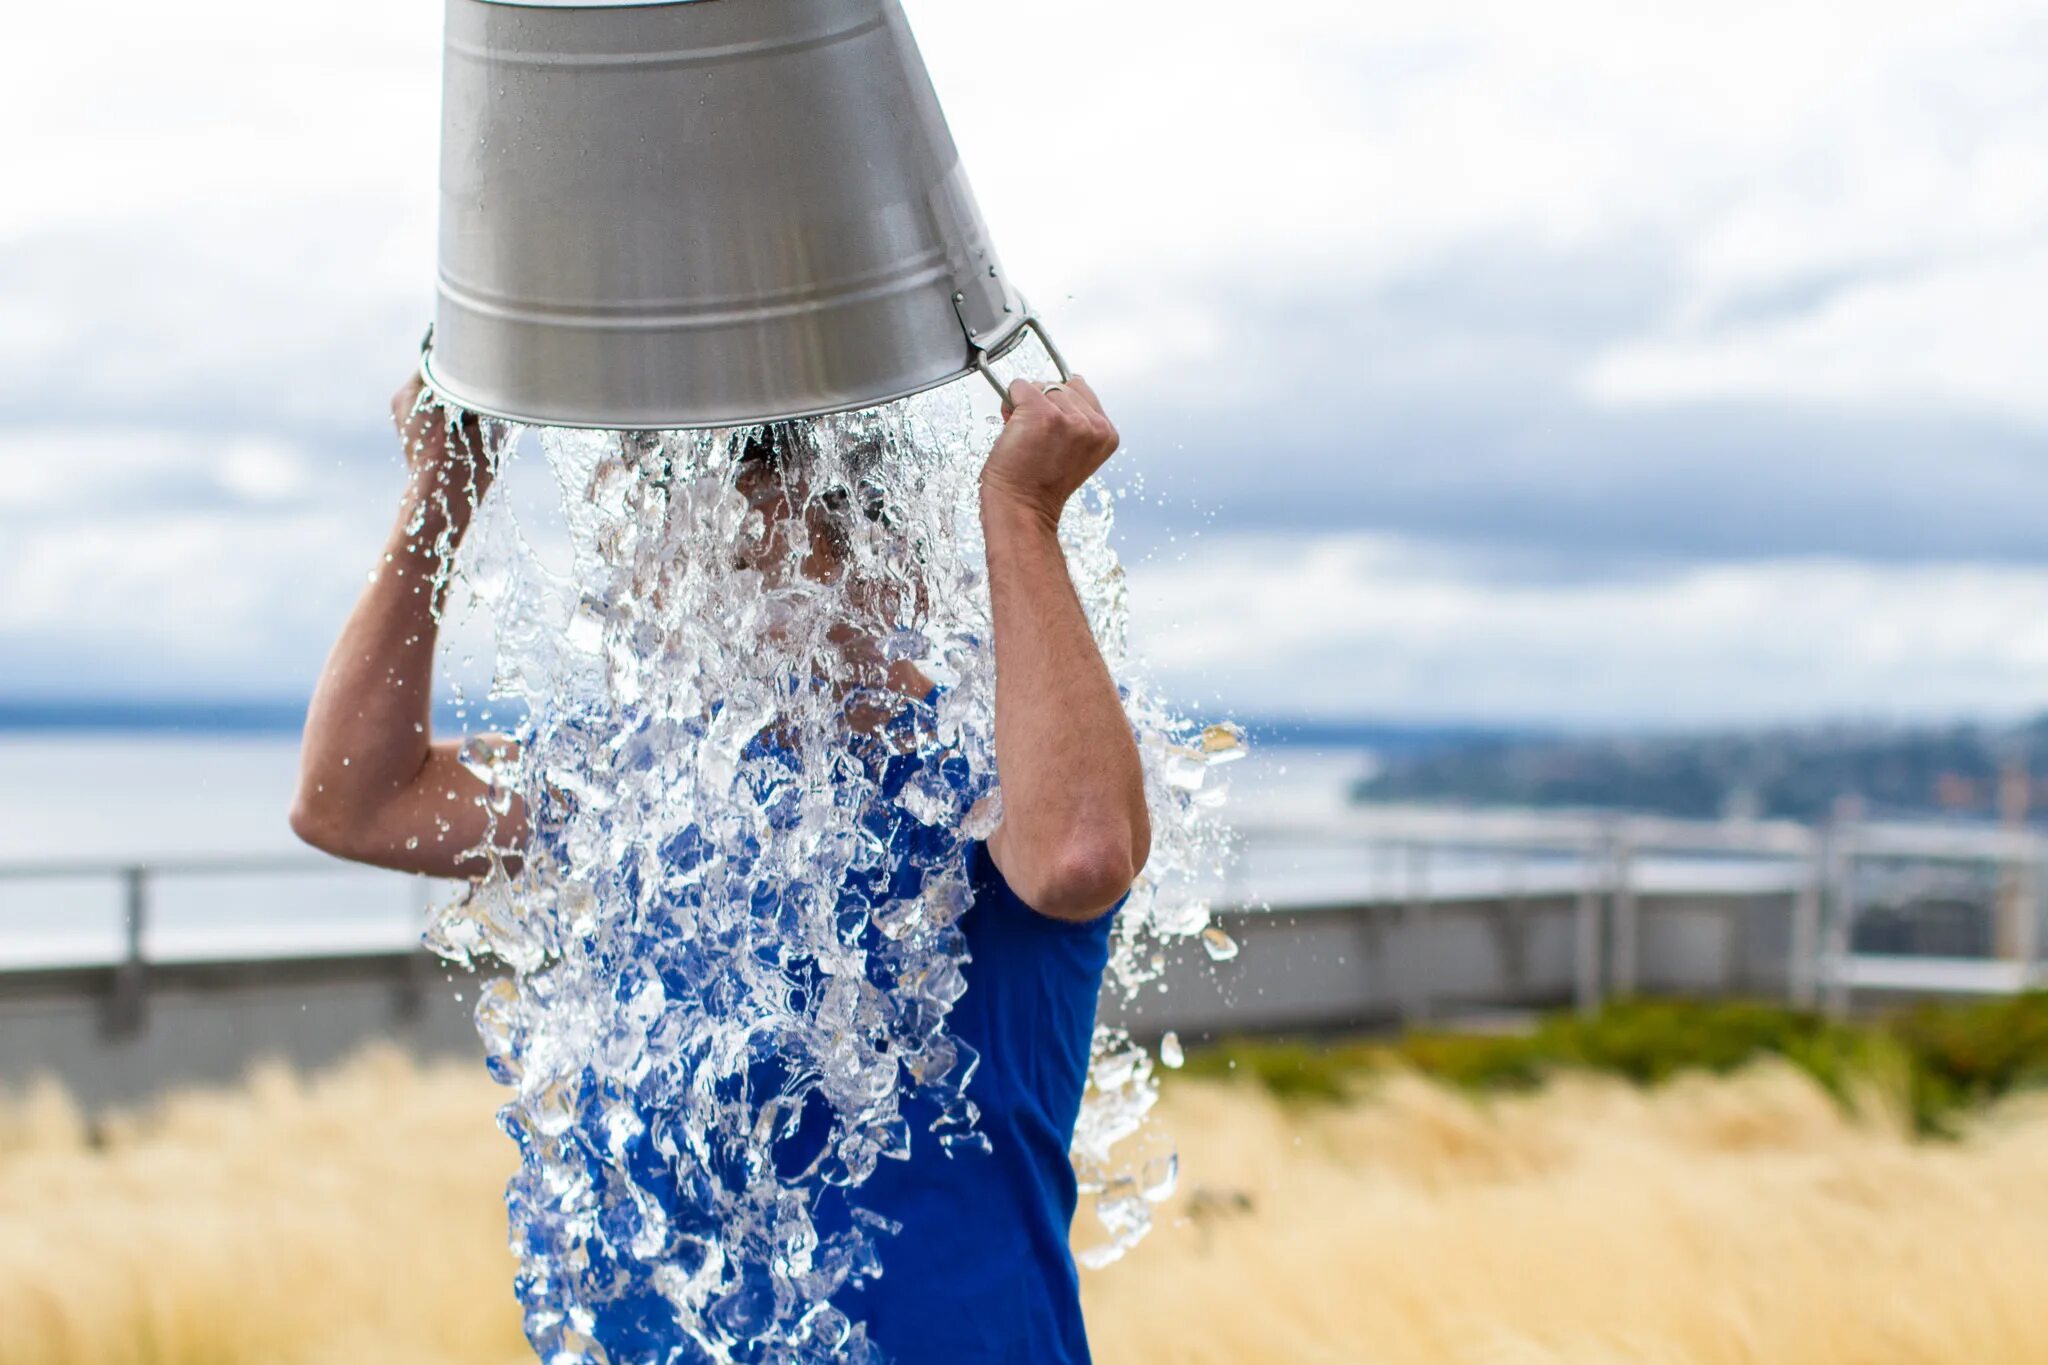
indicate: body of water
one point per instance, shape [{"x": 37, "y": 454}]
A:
[
  {"x": 115, "y": 800},
  {"x": 152, "y": 799},
  {"x": 75, "y": 800}
]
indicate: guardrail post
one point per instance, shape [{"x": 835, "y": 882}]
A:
[
  {"x": 128, "y": 1004},
  {"x": 1588, "y": 933},
  {"x": 2027, "y": 926},
  {"x": 416, "y": 977},
  {"x": 1510, "y": 929},
  {"x": 1802, "y": 972},
  {"x": 1841, "y": 918},
  {"x": 1415, "y": 990},
  {"x": 1628, "y": 948}
]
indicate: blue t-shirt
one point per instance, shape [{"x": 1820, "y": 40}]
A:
[{"x": 981, "y": 1271}]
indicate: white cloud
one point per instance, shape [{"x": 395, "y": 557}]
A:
[
  {"x": 224, "y": 205},
  {"x": 255, "y": 181},
  {"x": 212, "y": 601},
  {"x": 1965, "y": 338},
  {"x": 262, "y": 471},
  {"x": 136, "y": 111},
  {"x": 218, "y": 253},
  {"x": 1330, "y": 150},
  {"x": 87, "y": 470},
  {"x": 1367, "y": 625}
]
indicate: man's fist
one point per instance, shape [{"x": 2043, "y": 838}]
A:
[
  {"x": 1053, "y": 439},
  {"x": 445, "y": 457}
]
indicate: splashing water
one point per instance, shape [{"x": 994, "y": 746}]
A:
[{"x": 731, "y": 936}]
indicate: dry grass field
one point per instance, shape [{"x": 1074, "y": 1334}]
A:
[{"x": 355, "y": 1217}]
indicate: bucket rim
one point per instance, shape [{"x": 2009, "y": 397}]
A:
[
  {"x": 589, "y": 4},
  {"x": 978, "y": 362}
]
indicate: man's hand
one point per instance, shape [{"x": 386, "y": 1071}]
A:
[
  {"x": 1053, "y": 439},
  {"x": 448, "y": 461}
]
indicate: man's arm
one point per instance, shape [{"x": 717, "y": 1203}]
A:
[
  {"x": 374, "y": 786},
  {"x": 1075, "y": 832}
]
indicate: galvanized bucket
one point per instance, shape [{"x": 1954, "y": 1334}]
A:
[{"x": 690, "y": 213}]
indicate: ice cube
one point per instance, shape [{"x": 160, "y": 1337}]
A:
[{"x": 1220, "y": 945}]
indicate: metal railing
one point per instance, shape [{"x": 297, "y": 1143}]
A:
[
  {"x": 126, "y": 1005},
  {"x": 1606, "y": 853},
  {"x": 1822, "y": 968}
]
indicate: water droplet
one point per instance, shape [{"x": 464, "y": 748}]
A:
[
  {"x": 1170, "y": 1054},
  {"x": 1161, "y": 1177},
  {"x": 1220, "y": 945}
]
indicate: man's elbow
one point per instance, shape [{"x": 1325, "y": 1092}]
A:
[
  {"x": 326, "y": 825},
  {"x": 1089, "y": 874}
]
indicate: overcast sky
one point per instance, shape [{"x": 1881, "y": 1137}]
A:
[{"x": 1587, "y": 362}]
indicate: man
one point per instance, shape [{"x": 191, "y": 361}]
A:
[{"x": 980, "y": 1270}]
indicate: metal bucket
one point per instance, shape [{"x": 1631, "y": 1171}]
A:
[{"x": 688, "y": 213}]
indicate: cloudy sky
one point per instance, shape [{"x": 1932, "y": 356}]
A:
[{"x": 1581, "y": 362}]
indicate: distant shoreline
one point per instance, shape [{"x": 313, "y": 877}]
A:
[
  {"x": 276, "y": 717},
  {"x": 285, "y": 716},
  {"x": 205, "y": 717}
]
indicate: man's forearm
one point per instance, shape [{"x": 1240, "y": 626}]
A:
[
  {"x": 367, "y": 726},
  {"x": 373, "y": 784},
  {"x": 1074, "y": 831}
]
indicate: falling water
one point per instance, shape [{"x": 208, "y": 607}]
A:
[{"x": 732, "y": 934}]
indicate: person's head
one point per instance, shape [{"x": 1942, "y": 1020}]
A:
[
  {"x": 779, "y": 475},
  {"x": 816, "y": 515}
]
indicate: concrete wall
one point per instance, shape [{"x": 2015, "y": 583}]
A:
[
  {"x": 207, "y": 1024},
  {"x": 1366, "y": 966},
  {"x": 113, "y": 1040}
]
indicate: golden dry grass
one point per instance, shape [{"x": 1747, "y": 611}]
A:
[
  {"x": 349, "y": 1219},
  {"x": 1712, "y": 1222},
  {"x": 356, "y": 1218}
]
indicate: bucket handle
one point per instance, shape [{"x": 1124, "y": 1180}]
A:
[{"x": 984, "y": 359}]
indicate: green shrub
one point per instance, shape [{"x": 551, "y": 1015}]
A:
[
  {"x": 1290, "y": 1069},
  {"x": 1940, "y": 1060},
  {"x": 1966, "y": 1056}
]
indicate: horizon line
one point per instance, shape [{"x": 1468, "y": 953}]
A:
[{"x": 287, "y": 714}]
